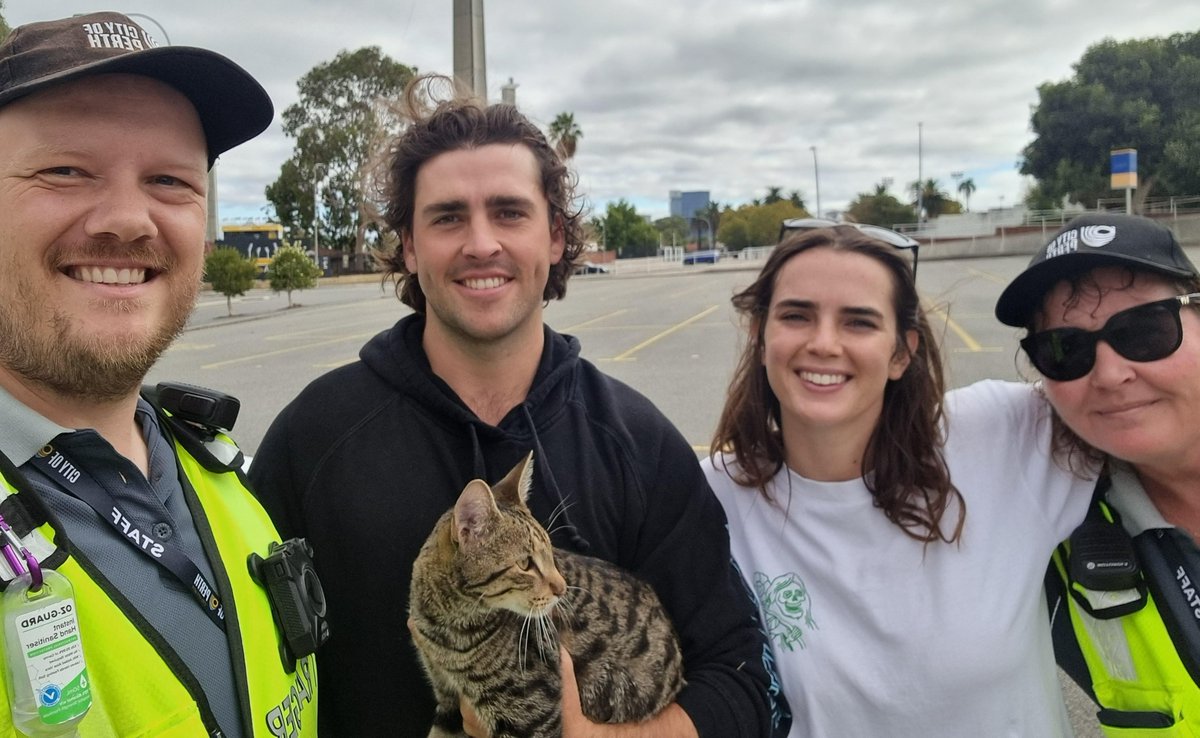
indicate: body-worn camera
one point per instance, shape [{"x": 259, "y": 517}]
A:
[
  {"x": 207, "y": 408},
  {"x": 297, "y": 599}
]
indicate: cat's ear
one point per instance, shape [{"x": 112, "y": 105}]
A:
[
  {"x": 514, "y": 488},
  {"x": 473, "y": 511}
]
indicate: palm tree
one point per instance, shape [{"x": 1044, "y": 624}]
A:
[
  {"x": 774, "y": 195},
  {"x": 966, "y": 188},
  {"x": 565, "y": 134},
  {"x": 928, "y": 196}
]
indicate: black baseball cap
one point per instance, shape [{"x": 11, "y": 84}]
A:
[
  {"x": 232, "y": 106},
  {"x": 1092, "y": 240}
]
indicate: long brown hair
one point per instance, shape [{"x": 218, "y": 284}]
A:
[
  {"x": 463, "y": 122},
  {"x": 907, "y": 475}
]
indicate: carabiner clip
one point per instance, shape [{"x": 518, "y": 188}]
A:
[{"x": 12, "y": 544}]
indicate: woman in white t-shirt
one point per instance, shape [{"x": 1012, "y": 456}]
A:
[{"x": 897, "y": 544}]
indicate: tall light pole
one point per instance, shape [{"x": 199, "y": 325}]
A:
[
  {"x": 920, "y": 178},
  {"x": 212, "y": 226},
  {"x": 316, "y": 210},
  {"x": 470, "y": 57},
  {"x": 817, "y": 178}
]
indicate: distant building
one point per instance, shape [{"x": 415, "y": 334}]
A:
[
  {"x": 687, "y": 204},
  {"x": 508, "y": 92},
  {"x": 257, "y": 241}
]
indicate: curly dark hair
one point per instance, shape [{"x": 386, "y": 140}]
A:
[
  {"x": 1070, "y": 450},
  {"x": 904, "y": 468},
  {"x": 462, "y": 122}
]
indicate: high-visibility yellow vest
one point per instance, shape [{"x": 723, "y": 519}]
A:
[
  {"x": 1141, "y": 683},
  {"x": 138, "y": 683}
]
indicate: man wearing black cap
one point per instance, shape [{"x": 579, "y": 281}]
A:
[
  {"x": 1110, "y": 310},
  {"x": 129, "y": 607}
]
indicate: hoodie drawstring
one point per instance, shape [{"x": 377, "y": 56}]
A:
[{"x": 582, "y": 544}]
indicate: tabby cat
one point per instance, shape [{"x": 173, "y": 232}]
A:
[{"x": 491, "y": 600}]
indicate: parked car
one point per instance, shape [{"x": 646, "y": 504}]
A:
[
  {"x": 708, "y": 256},
  {"x": 887, "y": 235},
  {"x": 589, "y": 267}
]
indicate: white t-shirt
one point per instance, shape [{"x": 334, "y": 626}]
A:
[{"x": 877, "y": 634}]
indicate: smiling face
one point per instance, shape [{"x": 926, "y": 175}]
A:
[
  {"x": 830, "y": 346},
  {"x": 482, "y": 244},
  {"x": 1141, "y": 412},
  {"x": 102, "y": 215}
]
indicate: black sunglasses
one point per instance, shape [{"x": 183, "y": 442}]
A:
[{"x": 1142, "y": 333}]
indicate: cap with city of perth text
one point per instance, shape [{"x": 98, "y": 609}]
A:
[
  {"x": 1091, "y": 240},
  {"x": 232, "y": 106}
]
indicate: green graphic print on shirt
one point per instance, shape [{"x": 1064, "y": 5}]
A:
[{"x": 786, "y": 607}]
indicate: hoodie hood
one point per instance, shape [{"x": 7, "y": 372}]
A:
[{"x": 398, "y": 357}]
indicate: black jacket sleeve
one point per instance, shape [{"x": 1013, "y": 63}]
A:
[{"x": 684, "y": 552}]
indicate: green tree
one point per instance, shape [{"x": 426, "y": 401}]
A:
[
  {"x": 880, "y": 208},
  {"x": 756, "y": 225},
  {"x": 626, "y": 232},
  {"x": 774, "y": 195},
  {"x": 707, "y": 217},
  {"x": 339, "y": 123},
  {"x": 565, "y": 134},
  {"x": 1142, "y": 93},
  {"x": 674, "y": 230},
  {"x": 932, "y": 199},
  {"x": 966, "y": 188},
  {"x": 229, "y": 273},
  {"x": 4, "y": 27},
  {"x": 795, "y": 198},
  {"x": 290, "y": 269}
]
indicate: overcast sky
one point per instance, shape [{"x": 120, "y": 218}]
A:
[{"x": 727, "y": 96}]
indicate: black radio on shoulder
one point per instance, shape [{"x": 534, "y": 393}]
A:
[
  {"x": 1102, "y": 557},
  {"x": 297, "y": 599}
]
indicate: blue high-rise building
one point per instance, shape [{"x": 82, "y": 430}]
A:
[{"x": 686, "y": 204}]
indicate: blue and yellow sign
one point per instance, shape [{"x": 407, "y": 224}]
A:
[{"x": 1124, "y": 169}]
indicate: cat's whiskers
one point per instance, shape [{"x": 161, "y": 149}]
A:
[
  {"x": 523, "y": 643},
  {"x": 559, "y": 509},
  {"x": 547, "y": 638}
]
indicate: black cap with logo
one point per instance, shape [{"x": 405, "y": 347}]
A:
[
  {"x": 1091, "y": 240},
  {"x": 232, "y": 106}
]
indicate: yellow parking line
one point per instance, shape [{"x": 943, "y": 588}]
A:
[
  {"x": 987, "y": 275},
  {"x": 586, "y": 323},
  {"x": 678, "y": 326},
  {"x": 972, "y": 345},
  {"x": 254, "y": 357}
]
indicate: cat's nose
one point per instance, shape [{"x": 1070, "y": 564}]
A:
[{"x": 557, "y": 584}]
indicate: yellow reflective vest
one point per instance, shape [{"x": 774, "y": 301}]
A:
[
  {"x": 139, "y": 684},
  {"x": 1137, "y": 675}
]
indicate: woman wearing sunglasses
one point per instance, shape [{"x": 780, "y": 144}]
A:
[
  {"x": 898, "y": 555},
  {"x": 1110, "y": 307}
]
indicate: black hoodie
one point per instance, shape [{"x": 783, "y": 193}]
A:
[{"x": 369, "y": 456}]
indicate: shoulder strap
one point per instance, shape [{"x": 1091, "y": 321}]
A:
[
  {"x": 25, "y": 512},
  {"x": 1067, "y": 652}
]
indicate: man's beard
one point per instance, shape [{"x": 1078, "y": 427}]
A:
[{"x": 68, "y": 362}]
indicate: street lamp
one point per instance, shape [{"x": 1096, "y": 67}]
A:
[
  {"x": 920, "y": 178},
  {"x": 817, "y": 178},
  {"x": 211, "y": 230},
  {"x": 316, "y": 207}
]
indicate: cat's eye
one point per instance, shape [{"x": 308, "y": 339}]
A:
[{"x": 527, "y": 564}]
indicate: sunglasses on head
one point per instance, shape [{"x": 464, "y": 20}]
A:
[{"x": 1142, "y": 333}]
